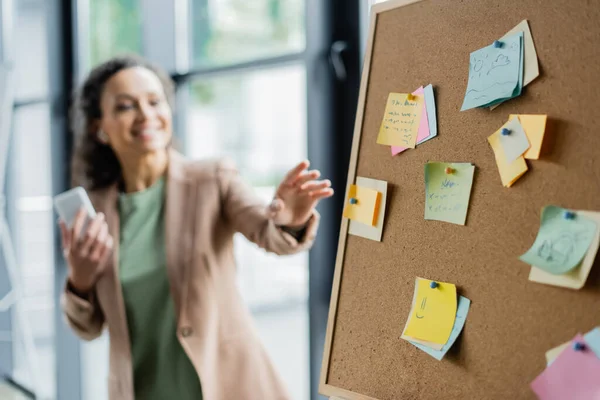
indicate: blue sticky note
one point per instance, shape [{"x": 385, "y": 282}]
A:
[
  {"x": 495, "y": 74},
  {"x": 431, "y": 117},
  {"x": 592, "y": 338},
  {"x": 462, "y": 310},
  {"x": 561, "y": 242}
]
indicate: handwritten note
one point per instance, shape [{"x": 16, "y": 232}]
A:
[
  {"x": 433, "y": 312},
  {"x": 401, "y": 120},
  {"x": 447, "y": 191},
  {"x": 459, "y": 323},
  {"x": 495, "y": 74},
  {"x": 515, "y": 143},
  {"x": 534, "y": 127},
  {"x": 575, "y": 278},
  {"x": 561, "y": 242},
  {"x": 362, "y": 205},
  {"x": 423, "y": 131},
  {"x": 509, "y": 172},
  {"x": 573, "y": 375}
]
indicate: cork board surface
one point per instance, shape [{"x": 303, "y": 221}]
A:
[{"x": 512, "y": 322}]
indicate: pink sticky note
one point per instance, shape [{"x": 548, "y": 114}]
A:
[
  {"x": 575, "y": 374},
  {"x": 423, "y": 131}
]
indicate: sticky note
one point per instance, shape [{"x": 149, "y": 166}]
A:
[
  {"x": 531, "y": 69},
  {"x": 555, "y": 352},
  {"x": 573, "y": 375},
  {"x": 495, "y": 74},
  {"x": 509, "y": 172},
  {"x": 515, "y": 143},
  {"x": 447, "y": 194},
  {"x": 366, "y": 207},
  {"x": 575, "y": 278},
  {"x": 431, "y": 113},
  {"x": 592, "y": 339},
  {"x": 372, "y": 232},
  {"x": 561, "y": 243},
  {"x": 534, "y": 127},
  {"x": 423, "y": 131},
  {"x": 459, "y": 323},
  {"x": 433, "y": 313},
  {"x": 401, "y": 120}
]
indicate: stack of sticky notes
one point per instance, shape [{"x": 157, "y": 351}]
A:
[
  {"x": 518, "y": 139},
  {"x": 409, "y": 119},
  {"x": 447, "y": 191},
  {"x": 564, "y": 250},
  {"x": 436, "y": 317},
  {"x": 365, "y": 207},
  {"x": 499, "y": 71},
  {"x": 573, "y": 370}
]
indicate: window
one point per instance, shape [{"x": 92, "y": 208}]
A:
[
  {"x": 115, "y": 28},
  {"x": 231, "y": 31}
]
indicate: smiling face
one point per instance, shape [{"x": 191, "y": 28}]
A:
[{"x": 136, "y": 116}]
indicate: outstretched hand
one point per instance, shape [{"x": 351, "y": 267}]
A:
[{"x": 297, "y": 196}]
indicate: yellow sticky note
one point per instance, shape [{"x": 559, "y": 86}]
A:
[
  {"x": 401, "y": 120},
  {"x": 362, "y": 205},
  {"x": 509, "y": 173},
  {"x": 433, "y": 312},
  {"x": 534, "y": 127}
]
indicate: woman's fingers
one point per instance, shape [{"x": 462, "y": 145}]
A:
[
  {"x": 90, "y": 235},
  {"x": 321, "y": 194},
  {"x": 306, "y": 177},
  {"x": 315, "y": 185},
  {"x": 80, "y": 218},
  {"x": 294, "y": 173},
  {"x": 99, "y": 243}
]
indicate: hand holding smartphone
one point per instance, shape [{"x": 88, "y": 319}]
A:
[{"x": 87, "y": 245}]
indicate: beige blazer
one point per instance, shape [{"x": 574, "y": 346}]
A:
[{"x": 206, "y": 203}]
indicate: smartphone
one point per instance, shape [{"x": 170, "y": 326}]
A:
[{"x": 68, "y": 203}]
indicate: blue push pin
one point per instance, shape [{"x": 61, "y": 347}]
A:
[
  {"x": 353, "y": 200},
  {"x": 578, "y": 346},
  {"x": 497, "y": 44},
  {"x": 505, "y": 131},
  {"x": 569, "y": 215},
  {"x": 433, "y": 285}
]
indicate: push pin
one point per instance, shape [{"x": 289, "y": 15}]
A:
[
  {"x": 410, "y": 97},
  {"x": 569, "y": 215},
  {"x": 433, "y": 284},
  {"x": 497, "y": 44},
  {"x": 578, "y": 346},
  {"x": 505, "y": 131},
  {"x": 353, "y": 200},
  {"x": 449, "y": 170}
]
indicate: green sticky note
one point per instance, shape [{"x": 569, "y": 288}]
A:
[
  {"x": 447, "y": 191},
  {"x": 495, "y": 74},
  {"x": 561, "y": 242}
]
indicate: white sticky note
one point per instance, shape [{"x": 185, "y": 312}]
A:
[{"x": 515, "y": 143}]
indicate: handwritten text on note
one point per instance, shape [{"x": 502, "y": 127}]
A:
[
  {"x": 401, "y": 120},
  {"x": 447, "y": 191}
]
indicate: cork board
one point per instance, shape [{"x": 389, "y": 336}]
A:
[{"x": 512, "y": 321}]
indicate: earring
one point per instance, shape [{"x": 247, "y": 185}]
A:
[{"x": 102, "y": 136}]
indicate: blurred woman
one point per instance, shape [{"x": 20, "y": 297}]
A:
[{"x": 156, "y": 265}]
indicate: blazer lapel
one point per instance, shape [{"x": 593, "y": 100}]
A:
[{"x": 179, "y": 223}]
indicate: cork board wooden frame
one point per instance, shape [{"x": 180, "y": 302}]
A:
[{"x": 512, "y": 321}]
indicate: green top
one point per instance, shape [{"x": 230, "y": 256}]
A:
[{"x": 161, "y": 369}]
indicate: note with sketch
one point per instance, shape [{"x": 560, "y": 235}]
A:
[
  {"x": 447, "y": 191},
  {"x": 433, "y": 312},
  {"x": 495, "y": 73},
  {"x": 561, "y": 241},
  {"x": 401, "y": 120}
]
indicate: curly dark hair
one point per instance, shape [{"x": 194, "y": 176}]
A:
[{"x": 94, "y": 164}]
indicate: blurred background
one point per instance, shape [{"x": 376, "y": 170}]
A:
[{"x": 267, "y": 82}]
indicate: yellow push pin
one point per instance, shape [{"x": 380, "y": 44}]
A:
[
  {"x": 449, "y": 170},
  {"x": 410, "y": 97}
]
